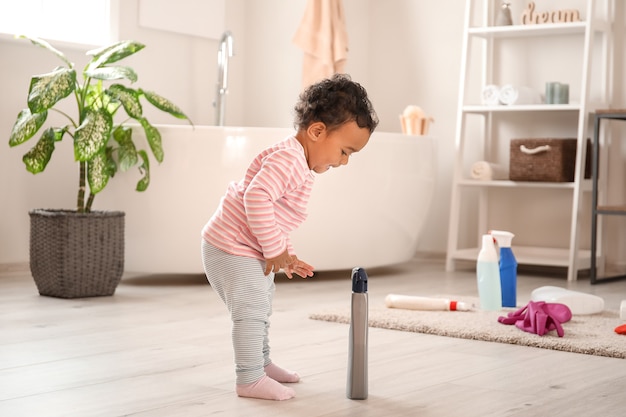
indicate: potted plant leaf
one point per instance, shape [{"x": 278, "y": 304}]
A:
[{"x": 80, "y": 253}]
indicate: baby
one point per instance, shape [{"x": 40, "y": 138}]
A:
[{"x": 246, "y": 241}]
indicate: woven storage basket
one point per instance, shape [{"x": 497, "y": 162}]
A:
[
  {"x": 545, "y": 159},
  {"x": 75, "y": 255}
]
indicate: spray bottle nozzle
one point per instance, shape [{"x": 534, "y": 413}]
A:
[
  {"x": 503, "y": 237},
  {"x": 359, "y": 280}
]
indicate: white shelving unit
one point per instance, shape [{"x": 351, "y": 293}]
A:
[{"x": 477, "y": 125}]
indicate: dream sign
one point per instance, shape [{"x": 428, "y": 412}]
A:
[{"x": 531, "y": 17}]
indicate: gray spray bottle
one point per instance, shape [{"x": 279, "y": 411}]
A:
[{"x": 356, "y": 388}]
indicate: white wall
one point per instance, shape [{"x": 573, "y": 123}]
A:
[{"x": 403, "y": 51}]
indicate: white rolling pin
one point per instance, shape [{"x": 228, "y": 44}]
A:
[{"x": 410, "y": 302}]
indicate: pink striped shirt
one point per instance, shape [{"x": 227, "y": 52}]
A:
[{"x": 256, "y": 215}]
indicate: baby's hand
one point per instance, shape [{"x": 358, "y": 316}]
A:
[
  {"x": 275, "y": 264},
  {"x": 299, "y": 267},
  {"x": 288, "y": 263}
]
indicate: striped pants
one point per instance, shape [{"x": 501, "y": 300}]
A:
[{"x": 247, "y": 292}]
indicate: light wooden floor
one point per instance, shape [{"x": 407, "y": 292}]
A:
[{"x": 161, "y": 347}]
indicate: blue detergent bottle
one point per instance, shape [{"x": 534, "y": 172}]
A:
[
  {"x": 488, "y": 276},
  {"x": 508, "y": 268}
]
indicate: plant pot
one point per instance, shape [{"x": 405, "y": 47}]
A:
[{"x": 74, "y": 255}]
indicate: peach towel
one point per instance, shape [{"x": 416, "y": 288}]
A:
[{"x": 323, "y": 37}]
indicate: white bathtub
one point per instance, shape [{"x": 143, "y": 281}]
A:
[{"x": 369, "y": 213}]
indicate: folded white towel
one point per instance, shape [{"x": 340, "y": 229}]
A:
[
  {"x": 491, "y": 95},
  {"x": 486, "y": 171},
  {"x": 518, "y": 95}
]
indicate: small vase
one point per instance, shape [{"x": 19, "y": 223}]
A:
[{"x": 503, "y": 17}]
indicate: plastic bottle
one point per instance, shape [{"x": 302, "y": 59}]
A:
[
  {"x": 508, "y": 268},
  {"x": 488, "y": 276},
  {"x": 356, "y": 388},
  {"x": 578, "y": 302},
  {"x": 411, "y": 302}
]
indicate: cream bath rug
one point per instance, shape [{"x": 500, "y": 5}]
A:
[{"x": 588, "y": 334}]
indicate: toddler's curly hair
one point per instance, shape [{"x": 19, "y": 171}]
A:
[{"x": 335, "y": 101}]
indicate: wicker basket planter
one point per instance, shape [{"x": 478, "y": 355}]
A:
[{"x": 74, "y": 255}]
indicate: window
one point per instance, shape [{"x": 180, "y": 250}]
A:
[{"x": 73, "y": 21}]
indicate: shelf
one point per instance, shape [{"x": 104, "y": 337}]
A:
[
  {"x": 600, "y": 208},
  {"x": 532, "y": 255},
  {"x": 611, "y": 210},
  {"x": 515, "y": 184},
  {"x": 516, "y": 31},
  {"x": 586, "y": 186},
  {"x": 482, "y": 129},
  {"x": 521, "y": 108}
]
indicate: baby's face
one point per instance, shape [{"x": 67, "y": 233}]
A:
[{"x": 333, "y": 149}]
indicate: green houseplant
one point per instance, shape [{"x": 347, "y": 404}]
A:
[{"x": 103, "y": 145}]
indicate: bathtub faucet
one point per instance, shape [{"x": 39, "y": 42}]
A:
[{"x": 224, "y": 53}]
